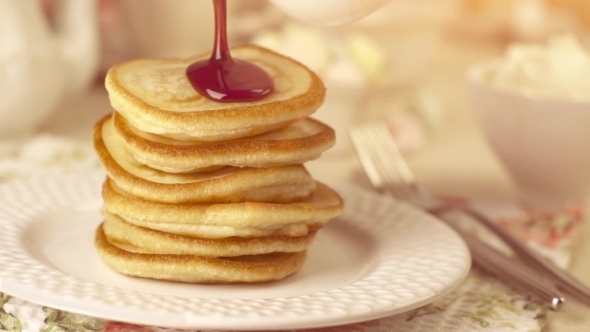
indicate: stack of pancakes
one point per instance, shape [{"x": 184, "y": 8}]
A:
[{"x": 200, "y": 191}]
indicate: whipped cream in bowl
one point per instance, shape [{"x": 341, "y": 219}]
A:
[
  {"x": 533, "y": 106},
  {"x": 558, "y": 69}
]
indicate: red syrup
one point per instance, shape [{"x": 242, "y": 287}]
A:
[{"x": 224, "y": 79}]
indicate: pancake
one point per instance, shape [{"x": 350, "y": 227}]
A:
[
  {"x": 149, "y": 241},
  {"x": 190, "y": 268},
  {"x": 230, "y": 184},
  {"x": 300, "y": 142},
  {"x": 222, "y": 232},
  {"x": 156, "y": 97},
  {"x": 320, "y": 207}
]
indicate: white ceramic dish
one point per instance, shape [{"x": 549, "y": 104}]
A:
[
  {"x": 381, "y": 258},
  {"x": 544, "y": 143}
]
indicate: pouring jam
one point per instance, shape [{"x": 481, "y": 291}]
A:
[{"x": 224, "y": 79}]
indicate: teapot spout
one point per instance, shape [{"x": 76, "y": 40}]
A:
[{"x": 76, "y": 24}]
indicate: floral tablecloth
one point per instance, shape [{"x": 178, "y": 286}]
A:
[{"x": 480, "y": 303}]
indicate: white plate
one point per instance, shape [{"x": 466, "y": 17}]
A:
[{"x": 381, "y": 258}]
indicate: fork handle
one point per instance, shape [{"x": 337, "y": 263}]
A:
[
  {"x": 562, "y": 280},
  {"x": 513, "y": 271}
]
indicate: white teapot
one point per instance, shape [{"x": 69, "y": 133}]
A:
[{"x": 40, "y": 65}]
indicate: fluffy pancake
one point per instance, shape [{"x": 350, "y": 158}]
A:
[
  {"x": 295, "y": 144},
  {"x": 230, "y": 184},
  {"x": 323, "y": 205},
  {"x": 191, "y": 268},
  {"x": 155, "y": 242},
  {"x": 156, "y": 97},
  {"x": 221, "y": 232}
]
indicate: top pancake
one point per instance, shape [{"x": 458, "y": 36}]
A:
[{"x": 155, "y": 96}]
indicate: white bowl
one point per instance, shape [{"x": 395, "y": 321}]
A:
[{"x": 544, "y": 143}]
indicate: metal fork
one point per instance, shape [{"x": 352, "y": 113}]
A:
[{"x": 389, "y": 173}]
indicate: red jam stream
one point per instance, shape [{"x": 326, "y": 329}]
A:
[{"x": 224, "y": 79}]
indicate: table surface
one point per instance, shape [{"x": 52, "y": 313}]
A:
[{"x": 455, "y": 161}]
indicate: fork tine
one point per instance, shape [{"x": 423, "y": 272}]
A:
[
  {"x": 389, "y": 172},
  {"x": 377, "y": 169},
  {"x": 384, "y": 164},
  {"x": 394, "y": 153},
  {"x": 368, "y": 154},
  {"x": 396, "y": 160},
  {"x": 363, "y": 149},
  {"x": 393, "y": 163}
]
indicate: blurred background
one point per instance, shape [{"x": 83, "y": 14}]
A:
[{"x": 404, "y": 63}]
